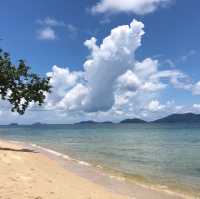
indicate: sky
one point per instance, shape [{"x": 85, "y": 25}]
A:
[{"x": 107, "y": 59}]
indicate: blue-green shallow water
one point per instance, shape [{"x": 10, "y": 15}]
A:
[{"x": 166, "y": 154}]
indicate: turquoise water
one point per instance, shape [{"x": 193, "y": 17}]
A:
[{"x": 164, "y": 154}]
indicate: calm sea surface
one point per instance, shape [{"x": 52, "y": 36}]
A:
[{"x": 166, "y": 154}]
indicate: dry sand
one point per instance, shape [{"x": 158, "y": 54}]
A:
[{"x": 25, "y": 174}]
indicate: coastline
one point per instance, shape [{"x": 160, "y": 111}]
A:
[{"x": 39, "y": 173}]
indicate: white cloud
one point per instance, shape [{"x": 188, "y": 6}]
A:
[
  {"x": 46, "y": 33},
  {"x": 71, "y": 28},
  {"x": 74, "y": 99},
  {"x": 185, "y": 57},
  {"x": 146, "y": 76},
  {"x": 129, "y": 81},
  {"x": 50, "y": 21},
  {"x": 147, "y": 71},
  {"x": 146, "y": 68},
  {"x": 62, "y": 81},
  {"x": 196, "y": 106},
  {"x": 196, "y": 88},
  {"x": 142, "y": 77},
  {"x": 155, "y": 105},
  {"x": 170, "y": 63},
  {"x": 140, "y": 7},
  {"x": 72, "y": 31},
  {"x": 48, "y": 27}
]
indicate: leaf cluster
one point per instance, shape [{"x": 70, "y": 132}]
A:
[{"x": 19, "y": 85}]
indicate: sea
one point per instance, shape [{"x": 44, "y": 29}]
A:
[{"x": 162, "y": 155}]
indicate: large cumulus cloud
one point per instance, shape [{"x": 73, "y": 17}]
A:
[
  {"x": 113, "y": 80},
  {"x": 108, "y": 61}
]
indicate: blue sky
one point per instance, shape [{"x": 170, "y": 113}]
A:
[{"x": 47, "y": 33}]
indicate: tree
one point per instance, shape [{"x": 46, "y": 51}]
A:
[{"x": 19, "y": 85}]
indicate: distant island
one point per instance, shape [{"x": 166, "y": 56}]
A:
[
  {"x": 186, "y": 117},
  {"x": 174, "y": 118},
  {"x": 38, "y": 124},
  {"x": 13, "y": 124},
  {"x": 134, "y": 120},
  {"x": 93, "y": 122}
]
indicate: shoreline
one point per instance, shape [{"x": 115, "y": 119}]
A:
[
  {"x": 84, "y": 171},
  {"x": 114, "y": 175}
]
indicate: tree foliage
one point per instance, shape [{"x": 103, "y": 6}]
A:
[{"x": 19, "y": 85}]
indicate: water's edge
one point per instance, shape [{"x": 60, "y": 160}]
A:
[{"x": 104, "y": 176}]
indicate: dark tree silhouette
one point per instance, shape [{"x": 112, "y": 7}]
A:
[{"x": 19, "y": 85}]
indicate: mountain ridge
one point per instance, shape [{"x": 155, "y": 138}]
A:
[
  {"x": 173, "y": 118},
  {"x": 185, "y": 117}
]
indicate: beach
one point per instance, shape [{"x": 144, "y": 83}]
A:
[
  {"x": 32, "y": 175},
  {"x": 26, "y": 173}
]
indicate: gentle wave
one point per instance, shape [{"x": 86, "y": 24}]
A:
[
  {"x": 61, "y": 155},
  {"x": 116, "y": 175}
]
